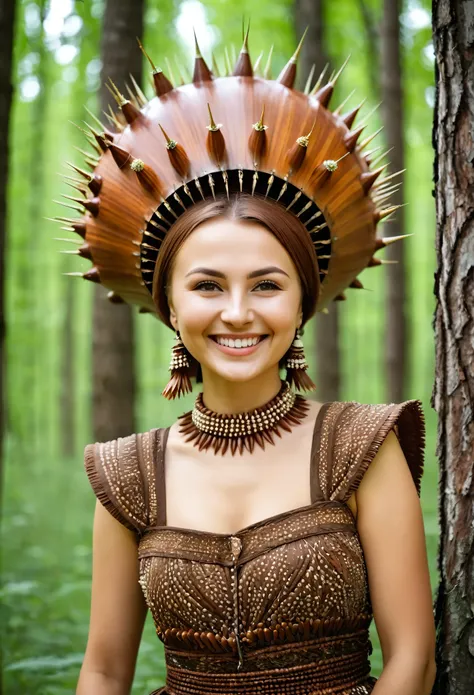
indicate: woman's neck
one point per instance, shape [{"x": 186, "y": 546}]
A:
[{"x": 223, "y": 396}]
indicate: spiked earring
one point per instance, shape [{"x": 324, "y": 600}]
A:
[
  {"x": 180, "y": 382},
  {"x": 296, "y": 366}
]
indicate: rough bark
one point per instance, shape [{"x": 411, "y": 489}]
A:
[
  {"x": 397, "y": 336},
  {"x": 310, "y": 13},
  {"x": 7, "y": 21},
  {"x": 453, "y": 393},
  {"x": 113, "y": 326}
]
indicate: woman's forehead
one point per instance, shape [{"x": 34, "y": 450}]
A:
[{"x": 226, "y": 241}]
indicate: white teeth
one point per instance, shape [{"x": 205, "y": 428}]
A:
[{"x": 238, "y": 342}]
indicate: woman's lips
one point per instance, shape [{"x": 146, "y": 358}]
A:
[{"x": 242, "y": 351}]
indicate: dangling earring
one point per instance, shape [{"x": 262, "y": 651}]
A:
[
  {"x": 296, "y": 366},
  {"x": 180, "y": 383}
]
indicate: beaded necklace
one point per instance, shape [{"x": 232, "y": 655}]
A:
[{"x": 206, "y": 428}]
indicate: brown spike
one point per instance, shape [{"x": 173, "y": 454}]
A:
[
  {"x": 121, "y": 157},
  {"x": 267, "y": 73},
  {"x": 378, "y": 261},
  {"x": 324, "y": 94},
  {"x": 177, "y": 155},
  {"x": 256, "y": 67},
  {"x": 368, "y": 140},
  {"x": 350, "y": 117},
  {"x": 95, "y": 183},
  {"x": 382, "y": 214},
  {"x": 92, "y": 204},
  {"x": 340, "y": 297},
  {"x": 307, "y": 88},
  {"x": 139, "y": 95},
  {"x": 83, "y": 173},
  {"x": 85, "y": 251},
  {"x": 100, "y": 139},
  {"x": 129, "y": 110},
  {"x": 201, "y": 71},
  {"x": 381, "y": 243},
  {"x": 288, "y": 75},
  {"x": 319, "y": 81},
  {"x": 115, "y": 298},
  {"x": 356, "y": 284},
  {"x": 147, "y": 177},
  {"x": 243, "y": 67},
  {"x": 144, "y": 310},
  {"x": 258, "y": 139},
  {"x": 297, "y": 153},
  {"x": 92, "y": 275},
  {"x": 160, "y": 81},
  {"x": 350, "y": 139},
  {"x": 215, "y": 142},
  {"x": 368, "y": 178},
  {"x": 215, "y": 67}
]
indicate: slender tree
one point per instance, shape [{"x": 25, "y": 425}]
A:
[
  {"x": 396, "y": 335},
  {"x": 7, "y": 21},
  {"x": 453, "y": 393},
  {"x": 114, "y": 383},
  {"x": 310, "y": 14}
]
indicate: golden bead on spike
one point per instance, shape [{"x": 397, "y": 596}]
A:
[
  {"x": 288, "y": 75},
  {"x": 160, "y": 81},
  {"x": 298, "y": 152},
  {"x": 258, "y": 139},
  {"x": 215, "y": 142},
  {"x": 129, "y": 110},
  {"x": 177, "y": 155},
  {"x": 147, "y": 178}
]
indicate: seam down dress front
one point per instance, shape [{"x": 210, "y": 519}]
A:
[{"x": 281, "y": 607}]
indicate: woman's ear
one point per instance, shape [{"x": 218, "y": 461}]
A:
[{"x": 173, "y": 317}]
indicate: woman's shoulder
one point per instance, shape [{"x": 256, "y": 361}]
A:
[
  {"x": 121, "y": 474},
  {"x": 353, "y": 432}
]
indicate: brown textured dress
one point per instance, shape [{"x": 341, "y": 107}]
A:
[{"x": 281, "y": 607}]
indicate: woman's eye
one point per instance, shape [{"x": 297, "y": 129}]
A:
[
  {"x": 207, "y": 285},
  {"x": 267, "y": 285}
]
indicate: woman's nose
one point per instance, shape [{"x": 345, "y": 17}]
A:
[{"x": 237, "y": 310}]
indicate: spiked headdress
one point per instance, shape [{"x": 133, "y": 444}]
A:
[{"x": 243, "y": 132}]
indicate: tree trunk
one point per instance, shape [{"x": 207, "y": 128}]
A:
[
  {"x": 453, "y": 393},
  {"x": 7, "y": 22},
  {"x": 396, "y": 336},
  {"x": 310, "y": 13},
  {"x": 113, "y": 328}
]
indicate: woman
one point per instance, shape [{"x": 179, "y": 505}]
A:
[{"x": 269, "y": 528}]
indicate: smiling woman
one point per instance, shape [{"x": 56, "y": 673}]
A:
[
  {"x": 269, "y": 528},
  {"x": 264, "y": 285}
]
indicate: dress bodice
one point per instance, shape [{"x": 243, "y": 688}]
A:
[{"x": 281, "y": 606}]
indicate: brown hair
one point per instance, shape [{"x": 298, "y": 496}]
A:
[{"x": 286, "y": 227}]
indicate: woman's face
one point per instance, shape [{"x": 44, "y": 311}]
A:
[{"x": 235, "y": 297}]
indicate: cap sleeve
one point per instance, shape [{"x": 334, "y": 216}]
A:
[
  {"x": 360, "y": 432},
  {"x": 118, "y": 476}
]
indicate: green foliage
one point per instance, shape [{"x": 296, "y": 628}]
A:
[{"x": 48, "y": 505}]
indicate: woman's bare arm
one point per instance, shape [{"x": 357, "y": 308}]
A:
[
  {"x": 390, "y": 525},
  {"x": 118, "y": 610}
]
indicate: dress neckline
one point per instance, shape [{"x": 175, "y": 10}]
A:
[{"x": 315, "y": 490}]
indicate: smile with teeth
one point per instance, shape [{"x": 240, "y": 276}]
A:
[{"x": 238, "y": 342}]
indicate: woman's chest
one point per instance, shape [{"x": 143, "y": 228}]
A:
[{"x": 302, "y": 566}]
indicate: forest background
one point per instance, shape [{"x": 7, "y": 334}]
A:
[{"x": 47, "y": 502}]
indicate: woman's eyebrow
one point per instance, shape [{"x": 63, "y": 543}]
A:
[{"x": 250, "y": 276}]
